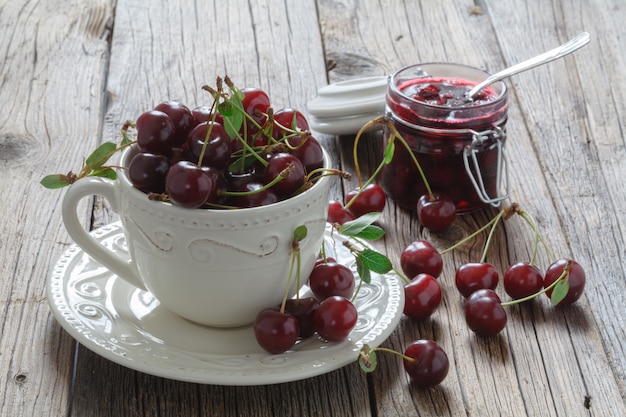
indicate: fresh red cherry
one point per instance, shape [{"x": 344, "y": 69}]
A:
[
  {"x": 421, "y": 257},
  {"x": 576, "y": 279},
  {"x": 291, "y": 119},
  {"x": 304, "y": 310},
  {"x": 255, "y": 103},
  {"x": 181, "y": 117},
  {"x": 276, "y": 332},
  {"x": 338, "y": 214},
  {"x": 187, "y": 185},
  {"x": 258, "y": 196},
  {"x": 292, "y": 170},
  {"x": 436, "y": 213},
  {"x": 484, "y": 313},
  {"x": 155, "y": 132},
  {"x": 522, "y": 280},
  {"x": 310, "y": 152},
  {"x": 370, "y": 199},
  {"x": 335, "y": 318},
  {"x": 421, "y": 297},
  {"x": 430, "y": 364},
  {"x": 474, "y": 276},
  {"x": 217, "y": 150},
  {"x": 147, "y": 172},
  {"x": 330, "y": 279}
]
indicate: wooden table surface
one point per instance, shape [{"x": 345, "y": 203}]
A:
[{"x": 72, "y": 71}]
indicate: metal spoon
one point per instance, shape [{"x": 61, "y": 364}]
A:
[{"x": 558, "y": 52}]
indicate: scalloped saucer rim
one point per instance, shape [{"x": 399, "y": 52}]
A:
[{"x": 128, "y": 326}]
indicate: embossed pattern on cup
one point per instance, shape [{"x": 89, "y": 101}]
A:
[{"x": 214, "y": 267}]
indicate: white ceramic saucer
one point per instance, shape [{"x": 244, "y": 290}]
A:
[{"x": 128, "y": 326}]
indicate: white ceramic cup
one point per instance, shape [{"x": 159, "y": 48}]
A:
[{"x": 214, "y": 267}]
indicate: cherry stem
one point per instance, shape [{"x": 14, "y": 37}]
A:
[
  {"x": 533, "y": 224},
  {"x": 208, "y": 134},
  {"x": 402, "y": 355},
  {"x": 357, "y": 170},
  {"x": 561, "y": 277},
  {"x": 488, "y": 241},
  {"x": 294, "y": 256},
  {"x": 397, "y": 135},
  {"x": 278, "y": 178}
]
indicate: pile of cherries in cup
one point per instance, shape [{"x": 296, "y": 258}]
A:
[{"x": 187, "y": 157}]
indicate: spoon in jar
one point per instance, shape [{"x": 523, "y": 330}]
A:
[{"x": 558, "y": 52}]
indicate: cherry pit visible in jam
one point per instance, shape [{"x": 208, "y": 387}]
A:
[{"x": 440, "y": 124}]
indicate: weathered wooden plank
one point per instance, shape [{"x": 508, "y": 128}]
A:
[{"x": 53, "y": 59}]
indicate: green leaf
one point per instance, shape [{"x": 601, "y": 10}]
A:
[
  {"x": 367, "y": 359},
  {"x": 389, "y": 151},
  {"x": 370, "y": 233},
  {"x": 300, "y": 233},
  {"x": 54, "y": 181},
  {"x": 359, "y": 224},
  {"x": 105, "y": 173},
  {"x": 559, "y": 292},
  {"x": 101, "y": 155},
  {"x": 375, "y": 261},
  {"x": 363, "y": 270}
]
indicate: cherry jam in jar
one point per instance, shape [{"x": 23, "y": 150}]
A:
[{"x": 457, "y": 141}]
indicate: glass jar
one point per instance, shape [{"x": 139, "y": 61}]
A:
[{"x": 459, "y": 143}]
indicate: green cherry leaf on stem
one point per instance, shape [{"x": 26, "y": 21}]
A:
[
  {"x": 300, "y": 233},
  {"x": 100, "y": 156},
  {"x": 105, "y": 173},
  {"x": 367, "y": 359},
  {"x": 389, "y": 151},
  {"x": 363, "y": 270},
  {"x": 375, "y": 261},
  {"x": 560, "y": 292},
  {"x": 370, "y": 233},
  {"x": 356, "y": 226},
  {"x": 55, "y": 181}
]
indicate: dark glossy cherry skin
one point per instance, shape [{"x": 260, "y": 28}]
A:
[
  {"x": 576, "y": 279},
  {"x": 522, "y": 280},
  {"x": 309, "y": 153},
  {"x": 371, "y": 199},
  {"x": 437, "y": 213},
  {"x": 474, "y": 276},
  {"x": 255, "y": 103},
  {"x": 335, "y": 318},
  {"x": 259, "y": 196},
  {"x": 304, "y": 310},
  {"x": 181, "y": 117},
  {"x": 484, "y": 314},
  {"x": 218, "y": 150},
  {"x": 329, "y": 279},
  {"x": 422, "y": 296},
  {"x": 187, "y": 185},
  {"x": 219, "y": 184},
  {"x": 203, "y": 114},
  {"x": 293, "y": 179},
  {"x": 321, "y": 260},
  {"x": 430, "y": 363},
  {"x": 421, "y": 257},
  {"x": 155, "y": 132},
  {"x": 338, "y": 214},
  {"x": 291, "y": 119},
  {"x": 276, "y": 332},
  {"x": 147, "y": 172}
]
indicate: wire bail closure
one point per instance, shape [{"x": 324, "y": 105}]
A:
[{"x": 469, "y": 156}]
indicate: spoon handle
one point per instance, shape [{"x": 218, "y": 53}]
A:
[{"x": 558, "y": 52}]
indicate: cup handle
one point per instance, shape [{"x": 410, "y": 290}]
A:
[{"x": 106, "y": 188}]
